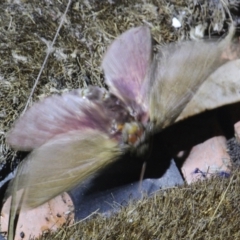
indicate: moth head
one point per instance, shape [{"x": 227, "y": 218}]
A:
[{"x": 132, "y": 133}]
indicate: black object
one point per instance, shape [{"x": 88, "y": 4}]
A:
[{"x": 111, "y": 200}]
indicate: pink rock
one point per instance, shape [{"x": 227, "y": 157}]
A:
[
  {"x": 43, "y": 219},
  {"x": 206, "y": 159},
  {"x": 237, "y": 131}
]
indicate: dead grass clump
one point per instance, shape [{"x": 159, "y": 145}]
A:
[{"x": 204, "y": 210}]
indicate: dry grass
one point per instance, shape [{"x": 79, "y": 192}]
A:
[{"x": 205, "y": 210}]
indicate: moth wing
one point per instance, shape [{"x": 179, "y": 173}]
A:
[
  {"x": 53, "y": 116},
  {"x": 221, "y": 88},
  {"x": 125, "y": 65},
  {"x": 177, "y": 74},
  {"x": 62, "y": 163}
]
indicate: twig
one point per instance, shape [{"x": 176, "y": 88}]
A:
[
  {"x": 47, "y": 56},
  {"x": 223, "y": 196}
]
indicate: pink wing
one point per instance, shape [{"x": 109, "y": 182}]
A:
[
  {"x": 56, "y": 115},
  {"x": 61, "y": 163},
  {"x": 125, "y": 65},
  {"x": 178, "y": 72}
]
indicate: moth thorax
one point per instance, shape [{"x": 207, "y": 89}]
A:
[{"x": 132, "y": 133}]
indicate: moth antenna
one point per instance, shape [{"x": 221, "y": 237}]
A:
[
  {"x": 230, "y": 35},
  {"x": 15, "y": 208}
]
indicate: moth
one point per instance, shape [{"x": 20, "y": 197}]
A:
[{"x": 74, "y": 135}]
